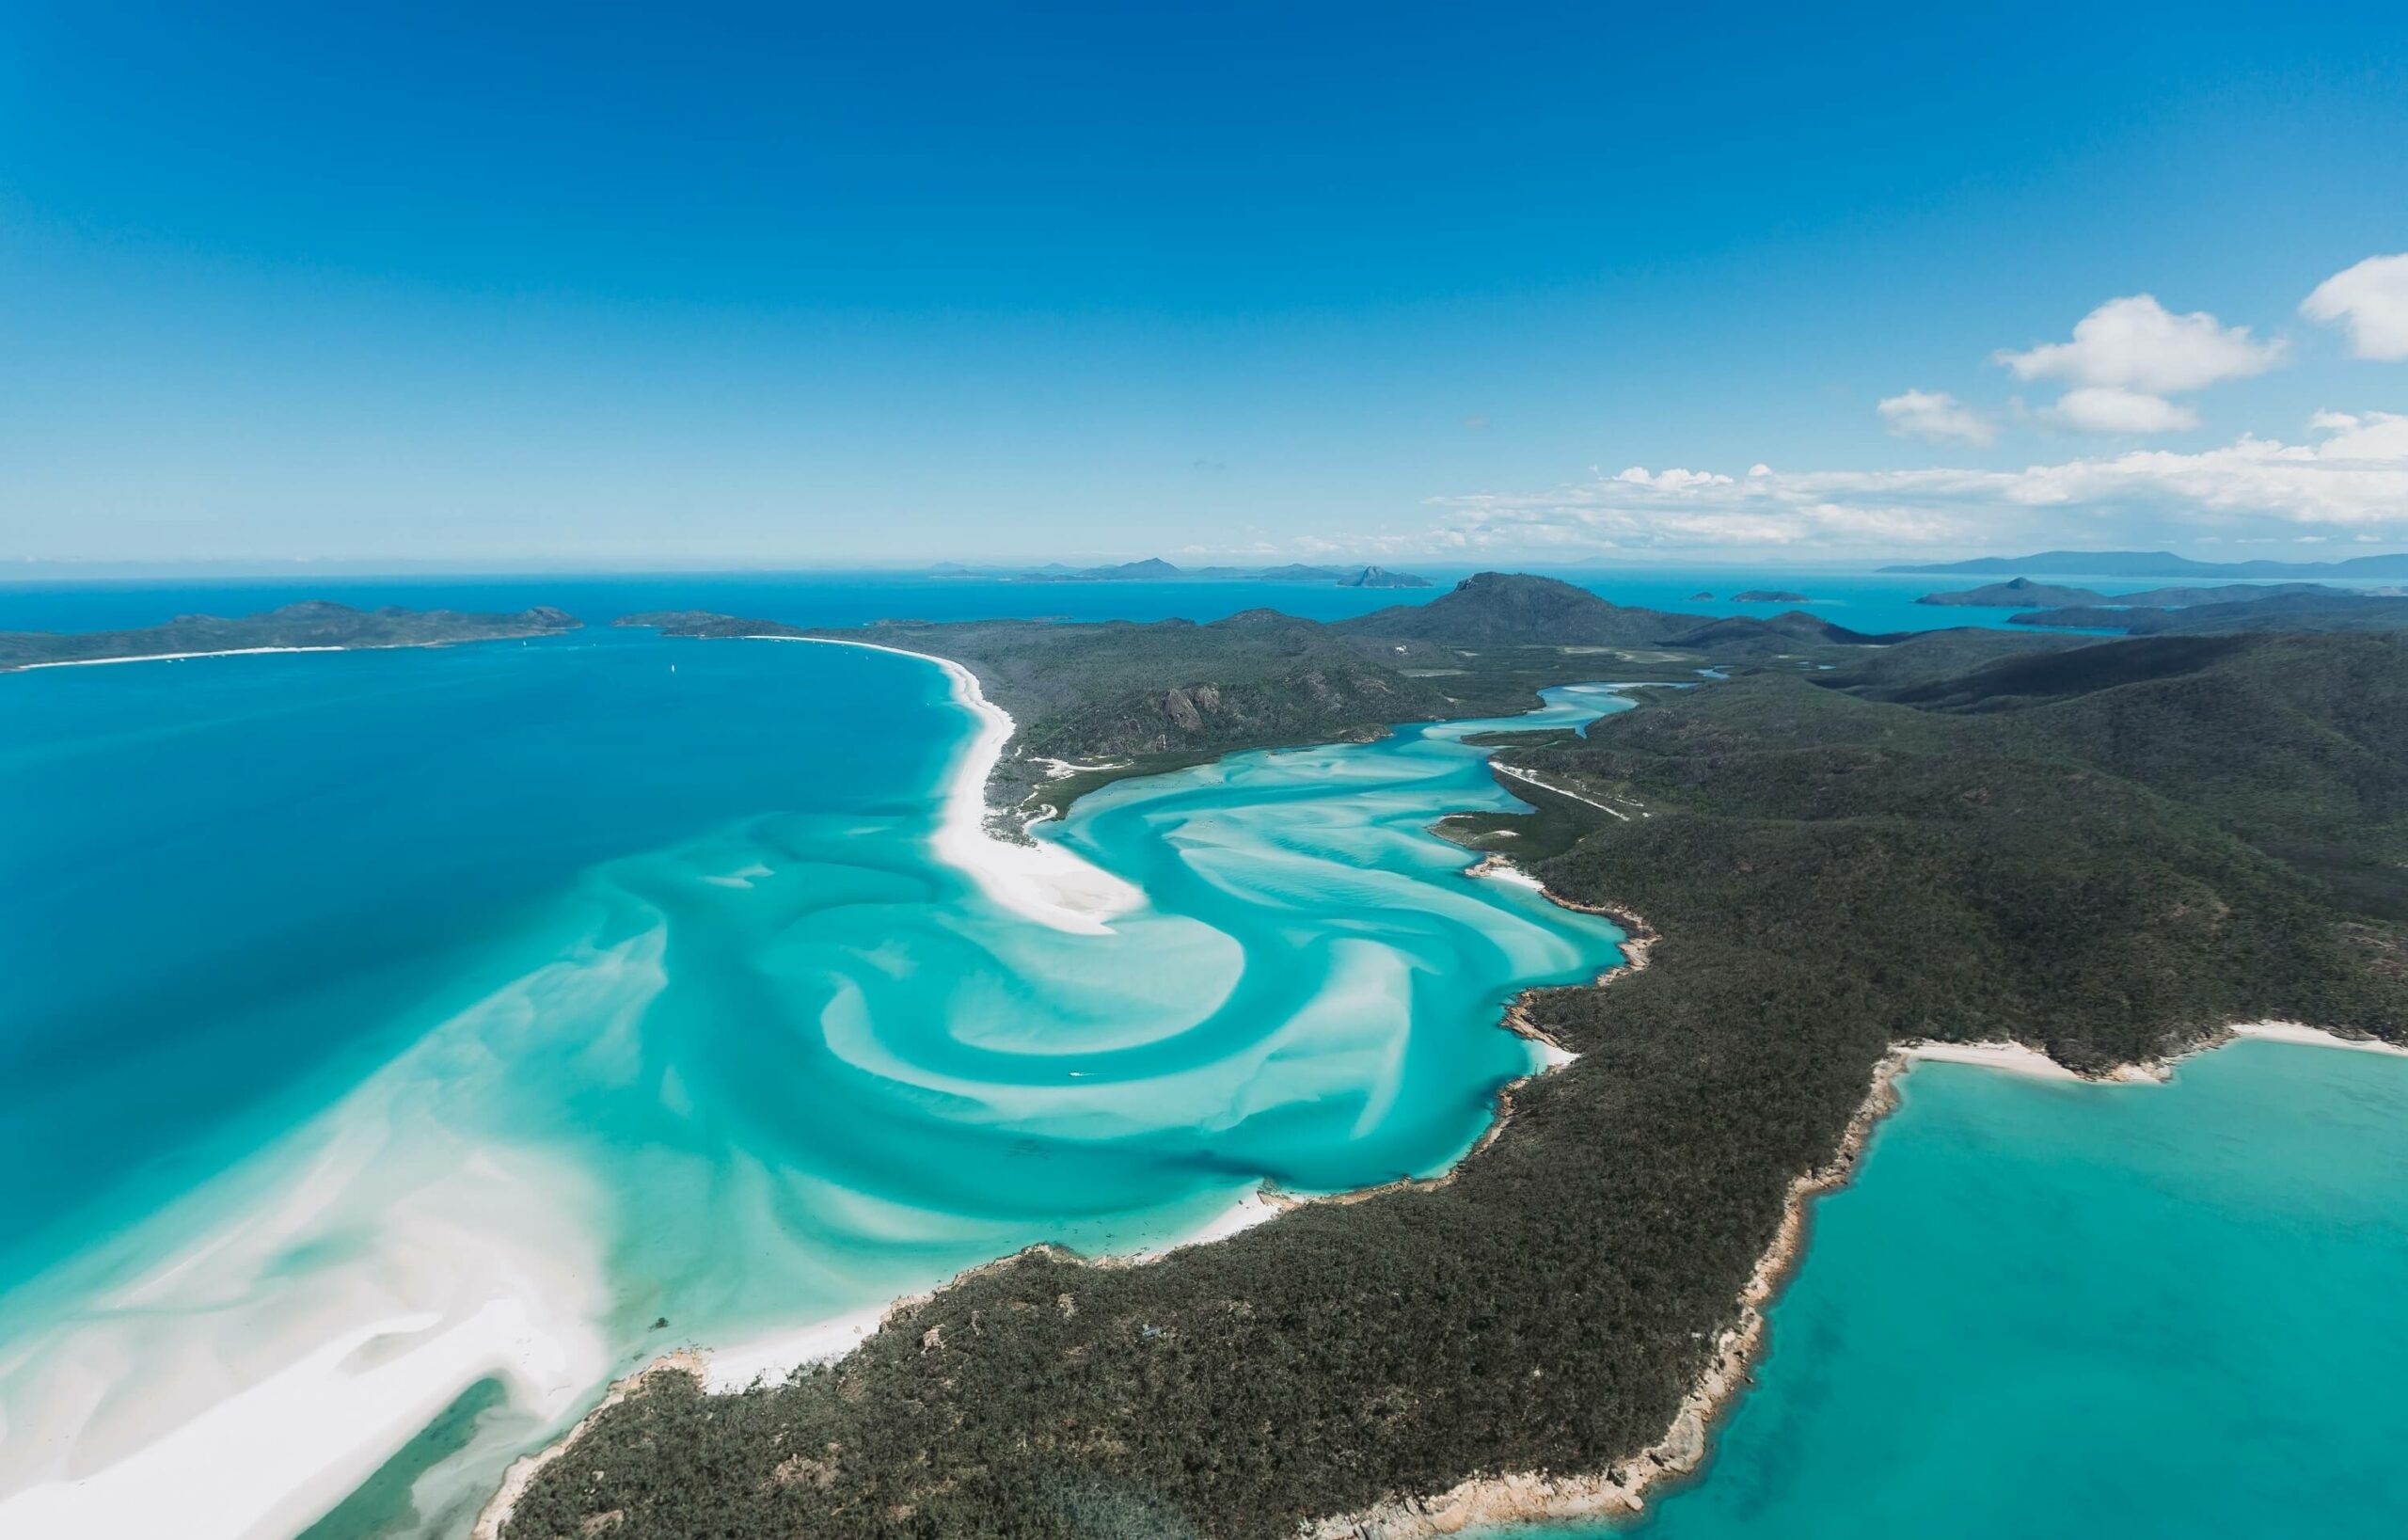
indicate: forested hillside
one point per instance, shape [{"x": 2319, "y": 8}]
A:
[
  {"x": 314, "y": 622},
  {"x": 2031, "y": 848}
]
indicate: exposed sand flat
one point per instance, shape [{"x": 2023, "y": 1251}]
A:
[
  {"x": 176, "y": 1406},
  {"x": 1041, "y": 881}
]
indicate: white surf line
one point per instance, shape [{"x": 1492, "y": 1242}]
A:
[
  {"x": 1043, "y": 880},
  {"x": 1525, "y": 776}
]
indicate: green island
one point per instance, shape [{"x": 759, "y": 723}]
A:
[
  {"x": 2188, "y": 611},
  {"x": 314, "y": 625},
  {"x": 2108, "y": 850},
  {"x": 1095, "y": 703}
]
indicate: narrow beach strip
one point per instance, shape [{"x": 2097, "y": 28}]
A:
[{"x": 1042, "y": 881}]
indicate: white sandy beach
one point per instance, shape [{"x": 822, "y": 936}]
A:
[
  {"x": 778, "y": 1355},
  {"x": 2017, "y": 1059},
  {"x": 178, "y": 656},
  {"x": 1041, "y": 881},
  {"x": 2315, "y": 1037},
  {"x": 2014, "y": 1057}
]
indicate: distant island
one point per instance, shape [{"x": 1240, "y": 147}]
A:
[
  {"x": 2023, "y": 594},
  {"x": 1383, "y": 577},
  {"x": 2327, "y": 609},
  {"x": 2159, "y": 563},
  {"x": 2156, "y": 611},
  {"x": 1769, "y": 595},
  {"x": 312, "y": 625},
  {"x": 1154, "y": 569}
]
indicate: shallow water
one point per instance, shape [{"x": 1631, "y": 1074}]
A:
[
  {"x": 399, "y": 1022},
  {"x": 2061, "y": 1309}
]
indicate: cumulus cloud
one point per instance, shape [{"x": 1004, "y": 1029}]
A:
[
  {"x": 1935, "y": 416},
  {"x": 2369, "y": 301},
  {"x": 2351, "y": 479},
  {"x": 2107, "y": 409},
  {"x": 2134, "y": 344},
  {"x": 2127, "y": 355}
]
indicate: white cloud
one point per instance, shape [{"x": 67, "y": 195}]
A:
[
  {"x": 2106, "y": 409},
  {"x": 1674, "y": 479},
  {"x": 2370, "y": 302},
  {"x": 2134, "y": 344},
  {"x": 1934, "y": 416},
  {"x": 2351, "y": 480}
]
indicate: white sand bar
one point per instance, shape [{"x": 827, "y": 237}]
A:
[{"x": 1043, "y": 881}]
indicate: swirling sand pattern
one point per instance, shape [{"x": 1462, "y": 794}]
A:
[{"x": 767, "y": 1077}]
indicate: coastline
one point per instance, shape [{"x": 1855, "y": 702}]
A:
[
  {"x": 523, "y": 1470},
  {"x": 1039, "y": 879},
  {"x": 1622, "y": 1489},
  {"x": 966, "y": 841},
  {"x": 179, "y": 656},
  {"x": 1625, "y": 1486},
  {"x": 257, "y": 652}
]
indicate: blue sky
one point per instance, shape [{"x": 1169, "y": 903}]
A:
[{"x": 612, "y": 284}]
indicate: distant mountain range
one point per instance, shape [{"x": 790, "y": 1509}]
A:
[
  {"x": 2158, "y": 563},
  {"x": 2314, "y": 611},
  {"x": 1154, "y": 569},
  {"x": 2023, "y": 594}
]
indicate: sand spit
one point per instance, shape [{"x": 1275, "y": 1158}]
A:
[{"x": 1037, "y": 879}]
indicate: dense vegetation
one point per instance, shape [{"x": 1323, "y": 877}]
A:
[
  {"x": 2038, "y": 847},
  {"x": 1134, "y": 698},
  {"x": 1144, "y": 697},
  {"x": 315, "y": 624}
]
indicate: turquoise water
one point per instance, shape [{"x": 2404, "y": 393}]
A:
[
  {"x": 2080, "y": 1310},
  {"x": 398, "y": 1023},
  {"x": 406, "y": 1043}
]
